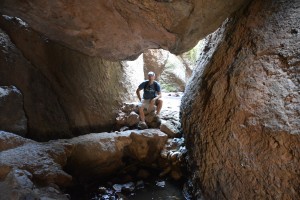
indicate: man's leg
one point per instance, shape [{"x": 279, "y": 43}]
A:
[
  {"x": 141, "y": 112},
  {"x": 159, "y": 103}
]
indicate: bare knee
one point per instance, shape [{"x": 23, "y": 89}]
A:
[{"x": 159, "y": 102}]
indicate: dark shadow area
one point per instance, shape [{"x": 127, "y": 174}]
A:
[{"x": 135, "y": 181}]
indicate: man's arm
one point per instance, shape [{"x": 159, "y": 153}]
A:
[
  {"x": 138, "y": 94},
  {"x": 158, "y": 96},
  {"x": 154, "y": 99}
]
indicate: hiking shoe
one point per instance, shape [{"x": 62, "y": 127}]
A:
[
  {"x": 142, "y": 125},
  {"x": 158, "y": 115}
]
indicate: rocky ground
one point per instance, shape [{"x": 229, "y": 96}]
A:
[{"x": 30, "y": 169}]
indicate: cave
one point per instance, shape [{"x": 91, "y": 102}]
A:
[{"x": 69, "y": 69}]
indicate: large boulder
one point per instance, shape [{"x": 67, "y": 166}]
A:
[
  {"x": 12, "y": 115},
  {"x": 171, "y": 71},
  {"x": 241, "y": 115},
  {"x": 33, "y": 169},
  {"x": 123, "y": 29},
  {"x": 155, "y": 60}
]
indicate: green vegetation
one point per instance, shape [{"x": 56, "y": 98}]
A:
[
  {"x": 168, "y": 87},
  {"x": 192, "y": 55}
]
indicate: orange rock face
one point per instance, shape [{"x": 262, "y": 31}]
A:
[
  {"x": 123, "y": 29},
  {"x": 241, "y": 116}
]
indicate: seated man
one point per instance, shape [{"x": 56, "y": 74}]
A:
[{"x": 151, "y": 96}]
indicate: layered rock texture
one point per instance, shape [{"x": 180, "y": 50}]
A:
[
  {"x": 123, "y": 29},
  {"x": 241, "y": 115},
  {"x": 65, "y": 92}
]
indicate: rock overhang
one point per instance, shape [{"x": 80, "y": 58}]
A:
[{"x": 119, "y": 30}]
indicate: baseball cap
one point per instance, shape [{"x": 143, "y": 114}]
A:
[{"x": 151, "y": 74}]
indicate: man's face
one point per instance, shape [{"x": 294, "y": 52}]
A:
[{"x": 151, "y": 77}]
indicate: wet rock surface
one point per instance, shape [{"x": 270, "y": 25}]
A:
[{"x": 150, "y": 188}]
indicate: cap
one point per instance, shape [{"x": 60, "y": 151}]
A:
[{"x": 151, "y": 74}]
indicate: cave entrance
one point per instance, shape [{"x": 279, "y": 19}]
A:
[{"x": 145, "y": 181}]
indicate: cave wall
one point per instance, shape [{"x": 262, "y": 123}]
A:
[
  {"x": 240, "y": 113},
  {"x": 54, "y": 51},
  {"x": 65, "y": 92}
]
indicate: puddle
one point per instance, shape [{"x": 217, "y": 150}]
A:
[{"x": 151, "y": 188}]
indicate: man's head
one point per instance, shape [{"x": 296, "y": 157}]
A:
[{"x": 151, "y": 76}]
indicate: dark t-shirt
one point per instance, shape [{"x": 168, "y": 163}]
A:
[{"x": 150, "y": 91}]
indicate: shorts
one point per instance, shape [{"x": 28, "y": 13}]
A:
[{"x": 145, "y": 103}]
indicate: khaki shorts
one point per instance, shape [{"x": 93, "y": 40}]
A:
[{"x": 146, "y": 102}]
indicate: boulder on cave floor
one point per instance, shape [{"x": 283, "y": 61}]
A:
[
  {"x": 12, "y": 115},
  {"x": 25, "y": 165},
  {"x": 168, "y": 120}
]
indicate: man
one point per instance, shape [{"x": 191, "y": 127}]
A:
[{"x": 151, "y": 96}]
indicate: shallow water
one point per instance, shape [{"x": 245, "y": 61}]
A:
[{"x": 153, "y": 188}]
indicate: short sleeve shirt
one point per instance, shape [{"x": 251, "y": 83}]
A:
[{"x": 150, "y": 91}]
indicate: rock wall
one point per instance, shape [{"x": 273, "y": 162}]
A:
[
  {"x": 123, "y": 29},
  {"x": 65, "y": 92},
  {"x": 240, "y": 115}
]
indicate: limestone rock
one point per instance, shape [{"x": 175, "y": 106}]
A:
[
  {"x": 240, "y": 116},
  {"x": 12, "y": 115},
  {"x": 102, "y": 28}
]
